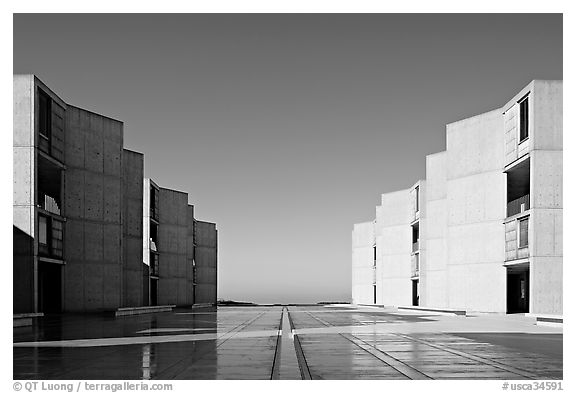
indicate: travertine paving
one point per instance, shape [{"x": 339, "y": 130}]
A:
[{"x": 293, "y": 342}]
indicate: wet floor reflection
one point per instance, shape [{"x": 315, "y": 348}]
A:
[
  {"x": 147, "y": 365},
  {"x": 240, "y": 343},
  {"x": 124, "y": 348}
]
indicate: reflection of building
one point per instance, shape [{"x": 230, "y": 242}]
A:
[
  {"x": 483, "y": 232},
  {"x": 77, "y": 209}
]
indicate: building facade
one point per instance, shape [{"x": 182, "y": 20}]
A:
[
  {"x": 78, "y": 205},
  {"x": 485, "y": 225},
  {"x": 173, "y": 247}
]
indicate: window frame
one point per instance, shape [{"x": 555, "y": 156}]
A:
[
  {"x": 523, "y": 106},
  {"x": 519, "y": 223},
  {"x": 45, "y": 133},
  {"x": 46, "y": 232}
]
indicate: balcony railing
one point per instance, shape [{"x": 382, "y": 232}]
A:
[
  {"x": 415, "y": 246},
  {"x": 518, "y": 205},
  {"x": 48, "y": 203},
  {"x": 374, "y": 275}
]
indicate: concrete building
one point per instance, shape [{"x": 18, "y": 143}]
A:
[
  {"x": 486, "y": 224},
  {"x": 177, "y": 269},
  {"x": 393, "y": 252},
  {"x": 77, "y": 210}
]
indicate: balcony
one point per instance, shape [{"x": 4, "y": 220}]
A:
[
  {"x": 416, "y": 246},
  {"x": 518, "y": 205},
  {"x": 374, "y": 275}
]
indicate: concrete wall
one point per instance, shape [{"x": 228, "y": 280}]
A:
[
  {"x": 546, "y": 199},
  {"x": 132, "y": 229},
  {"x": 476, "y": 189},
  {"x": 172, "y": 246},
  {"x": 206, "y": 262},
  {"x": 23, "y": 194},
  {"x": 548, "y": 115},
  {"x": 93, "y": 205},
  {"x": 362, "y": 263},
  {"x": 434, "y": 273},
  {"x": 393, "y": 249},
  {"x": 544, "y": 119},
  {"x": 190, "y": 254},
  {"x": 25, "y": 173},
  {"x": 544, "y": 147}
]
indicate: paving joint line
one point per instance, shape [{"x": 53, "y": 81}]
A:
[
  {"x": 302, "y": 363},
  {"x": 469, "y": 356},
  {"x": 276, "y": 363},
  {"x": 401, "y": 367},
  {"x": 231, "y": 332}
]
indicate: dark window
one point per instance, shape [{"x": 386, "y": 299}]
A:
[
  {"x": 415, "y": 237},
  {"x": 523, "y": 233},
  {"x": 154, "y": 236},
  {"x": 154, "y": 202},
  {"x": 523, "y": 119},
  {"x": 374, "y": 256},
  {"x": 44, "y": 120},
  {"x": 417, "y": 196},
  {"x": 154, "y": 265}
]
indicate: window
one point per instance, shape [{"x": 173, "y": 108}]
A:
[
  {"x": 56, "y": 235},
  {"x": 44, "y": 115},
  {"x": 50, "y": 236},
  {"x": 154, "y": 202},
  {"x": 417, "y": 196},
  {"x": 43, "y": 230},
  {"x": 154, "y": 268},
  {"x": 523, "y": 233},
  {"x": 374, "y": 256},
  {"x": 523, "y": 119}
]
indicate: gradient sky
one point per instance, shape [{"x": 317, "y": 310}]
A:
[{"x": 285, "y": 128}]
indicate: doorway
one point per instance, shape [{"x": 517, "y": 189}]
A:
[
  {"x": 415, "y": 294},
  {"x": 49, "y": 287},
  {"x": 153, "y": 291},
  {"x": 517, "y": 289}
]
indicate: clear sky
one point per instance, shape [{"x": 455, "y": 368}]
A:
[{"x": 285, "y": 128}]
